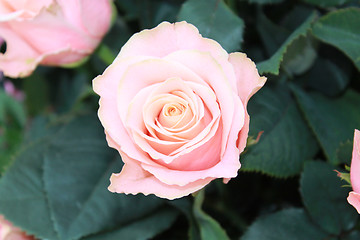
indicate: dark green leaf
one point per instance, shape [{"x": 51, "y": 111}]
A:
[
  {"x": 265, "y": 1},
  {"x": 354, "y": 235},
  {"x": 287, "y": 224},
  {"x": 341, "y": 29},
  {"x": 60, "y": 183},
  {"x": 344, "y": 152},
  {"x": 266, "y": 29},
  {"x": 332, "y": 120},
  {"x": 11, "y": 108},
  {"x": 327, "y": 3},
  {"x": 300, "y": 56},
  {"x": 12, "y": 123},
  {"x": 185, "y": 206},
  {"x": 209, "y": 228},
  {"x": 69, "y": 90},
  {"x": 272, "y": 65},
  {"x": 144, "y": 229},
  {"x": 325, "y": 198},
  {"x": 214, "y": 20},
  {"x": 37, "y": 93},
  {"x": 274, "y": 112},
  {"x": 327, "y": 77}
]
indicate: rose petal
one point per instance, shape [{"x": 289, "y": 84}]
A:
[
  {"x": 133, "y": 180},
  {"x": 20, "y": 59},
  {"x": 248, "y": 83},
  {"x": 167, "y": 38},
  {"x": 210, "y": 70},
  {"x": 52, "y": 24},
  {"x": 81, "y": 13},
  {"x": 355, "y": 163},
  {"x": 354, "y": 200},
  {"x": 227, "y": 165},
  {"x": 106, "y": 86}
]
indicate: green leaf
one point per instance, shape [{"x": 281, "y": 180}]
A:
[
  {"x": 272, "y": 65},
  {"x": 144, "y": 229},
  {"x": 209, "y": 228},
  {"x": 266, "y": 29},
  {"x": 185, "y": 206},
  {"x": 37, "y": 93},
  {"x": 353, "y": 235},
  {"x": 300, "y": 56},
  {"x": 265, "y": 1},
  {"x": 325, "y": 198},
  {"x": 327, "y": 77},
  {"x": 344, "y": 152},
  {"x": 332, "y": 120},
  {"x": 149, "y": 12},
  {"x": 10, "y": 107},
  {"x": 287, "y": 224},
  {"x": 214, "y": 20},
  {"x": 69, "y": 89},
  {"x": 12, "y": 123},
  {"x": 327, "y": 3},
  {"x": 274, "y": 112},
  {"x": 341, "y": 29},
  {"x": 59, "y": 182}
]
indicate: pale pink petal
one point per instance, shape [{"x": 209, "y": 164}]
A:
[
  {"x": 354, "y": 200},
  {"x": 50, "y": 24},
  {"x": 248, "y": 83},
  {"x": 51, "y": 32},
  {"x": 152, "y": 145},
  {"x": 9, "y": 232},
  {"x": 133, "y": 180},
  {"x": 186, "y": 169},
  {"x": 247, "y": 76},
  {"x": 20, "y": 9},
  {"x": 81, "y": 13},
  {"x": 355, "y": 163},
  {"x": 244, "y": 133},
  {"x": 63, "y": 57},
  {"x": 167, "y": 38},
  {"x": 146, "y": 73},
  {"x": 20, "y": 58},
  {"x": 149, "y": 144},
  {"x": 99, "y": 10},
  {"x": 106, "y": 86},
  {"x": 210, "y": 71}
]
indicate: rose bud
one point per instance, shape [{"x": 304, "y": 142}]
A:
[{"x": 49, "y": 32}]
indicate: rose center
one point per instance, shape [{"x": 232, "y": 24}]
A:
[
  {"x": 172, "y": 110},
  {"x": 174, "y": 115}
]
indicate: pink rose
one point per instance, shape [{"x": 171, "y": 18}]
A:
[
  {"x": 50, "y": 32},
  {"x": 12, "y": 91},
  {"x": 354, "y": 196},
  {"x": 174, "y": 105},
  {"x": 9, "y": 232}
]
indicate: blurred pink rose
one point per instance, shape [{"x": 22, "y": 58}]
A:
[
  {"x": 12, "y": 91},
  {"x": 354, "y": 196},
  {"x": 50, "y": 32},
  {"x": 9, "y": 232},
  {"x": 174, "y": 105}
]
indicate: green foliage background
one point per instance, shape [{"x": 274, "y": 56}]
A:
[{"x": 55, "y": 163}]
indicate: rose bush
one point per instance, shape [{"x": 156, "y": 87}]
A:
[
  {"x": 174, "y": 105},
  {"x": 9, "y": 232},
  {"x": 354, "y": 196},
  {"x": 50, "y": 32}
]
